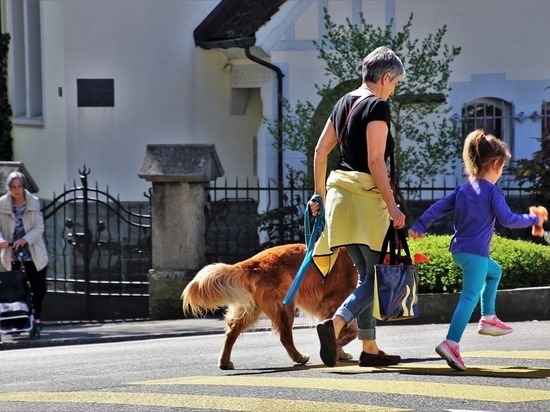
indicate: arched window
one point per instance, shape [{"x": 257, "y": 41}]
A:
[{"x": 492, "y": 115}]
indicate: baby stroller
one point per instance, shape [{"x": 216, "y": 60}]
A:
[{"x": 16, "y": 313}]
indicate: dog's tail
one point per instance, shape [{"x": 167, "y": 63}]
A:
[{"x": 216, "y": 285}]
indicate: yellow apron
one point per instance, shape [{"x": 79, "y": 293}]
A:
[{"x": 355, "y": 213}]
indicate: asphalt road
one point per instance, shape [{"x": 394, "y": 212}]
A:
[{"x": 509, "y": 373}]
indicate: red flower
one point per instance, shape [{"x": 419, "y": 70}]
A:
[{"x": 421, "y": 258}]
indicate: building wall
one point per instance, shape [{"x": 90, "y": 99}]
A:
[
  {"x": 166, "y": 91},
  {"x": 501, "y": 50},
  {"x": 501, "y": 54},
  {"x": 169, "y": 91}
]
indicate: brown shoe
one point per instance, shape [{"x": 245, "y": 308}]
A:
[
  {"x": 325, "y": 330},
  {"x": 381, "y": 359}
]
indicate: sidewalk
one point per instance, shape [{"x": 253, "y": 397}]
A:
[
  {"x": 82, "y": 333},
  {"x": 515, "y": 305}
]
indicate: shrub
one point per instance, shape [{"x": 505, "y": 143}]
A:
[{"x": 524, "y": 264}]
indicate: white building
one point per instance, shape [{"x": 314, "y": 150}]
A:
[{"x": 94, "y": 82}]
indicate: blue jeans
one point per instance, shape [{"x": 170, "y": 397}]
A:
[
  {"x": 358, "y": 305},
  {"x": 480, "y": 278}
]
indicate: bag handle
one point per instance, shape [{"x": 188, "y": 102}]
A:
[
  {"x": 353, "y": 106},
  {"x": 390, "y": 239}
]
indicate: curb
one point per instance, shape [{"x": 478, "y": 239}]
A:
[{"x": 513, "y": 305}]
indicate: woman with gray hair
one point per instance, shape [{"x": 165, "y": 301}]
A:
[
  {"x": 358, "y": 199},
  {"x": 21, "y": 237}
]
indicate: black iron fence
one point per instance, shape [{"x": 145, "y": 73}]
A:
[
  {"x": 246, "y": 218},
  {"x": 100, "y": 247},
  {"x": 99, "y": 255},
  {"x": 243, "y": 219}
]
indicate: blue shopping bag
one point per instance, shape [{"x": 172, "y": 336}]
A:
[{"x": 396, "y": 283}]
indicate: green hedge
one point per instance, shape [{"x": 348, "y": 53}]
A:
[{"x": 524, "y": 263}]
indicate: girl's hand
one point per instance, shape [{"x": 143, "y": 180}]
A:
[
  {"x": 542, "y": 214},
  {"x": 415, "y": 235}
]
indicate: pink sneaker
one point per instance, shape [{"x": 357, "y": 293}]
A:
[
  {"x": 493, "y": 327},
  {"x": 451, "y": 354}
]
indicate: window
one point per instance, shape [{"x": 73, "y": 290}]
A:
[
  {"x": 27, "y": 61},
  {"x": 492, "y": 115},
  {"x": 545, "y": 117}
]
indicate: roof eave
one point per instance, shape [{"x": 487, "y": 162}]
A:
[{"x": 242, "y": 43}]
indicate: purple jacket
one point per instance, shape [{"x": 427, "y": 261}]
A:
[{"x": 477, "y": 205}]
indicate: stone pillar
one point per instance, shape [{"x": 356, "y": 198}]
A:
[{"x": 179, "y": 175}]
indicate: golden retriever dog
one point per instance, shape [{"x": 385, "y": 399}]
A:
[{"x": 258, "y": 285}]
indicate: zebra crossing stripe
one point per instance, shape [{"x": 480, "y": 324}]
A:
[
  {"x": 221, "y": 403},
  {"x": 398, "y": 387}
]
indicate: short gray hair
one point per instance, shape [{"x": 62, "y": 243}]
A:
[
  {"x": 16, "y": 175},
  {"x": 380, "y": 61}
]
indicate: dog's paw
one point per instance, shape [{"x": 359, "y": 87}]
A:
[
  {"x": 302, "y": 360},
  {"x": 343, "y": 355},
  {"x": 226, "y": 366}
]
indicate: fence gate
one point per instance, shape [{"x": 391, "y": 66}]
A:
[{"x": 99, "y": 255}]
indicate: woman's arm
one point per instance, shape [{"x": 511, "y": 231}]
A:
[
  {"x": 327, "y": 141},
  {"x": 3, "y": 241},
  {"x": 36, "y": 229}
]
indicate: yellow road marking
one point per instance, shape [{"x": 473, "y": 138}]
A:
[
  {"x": 531, "y": 354},
  {"x": 520, "y": 372},
  {"x": 188, "y": 401},
  {"x": 414, "y": 388}
]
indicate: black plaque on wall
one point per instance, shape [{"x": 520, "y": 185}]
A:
[{"x": 95, "y": 92}]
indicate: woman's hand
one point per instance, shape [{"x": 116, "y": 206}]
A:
[
  {"x": 4, "y": 244},
  {"x": 19, "y": 244},
  {"x": 315, "y": 205},
  {"x": 398, "y": 217}
]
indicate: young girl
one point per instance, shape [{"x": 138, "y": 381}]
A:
[{"x": 477, "y": 204}]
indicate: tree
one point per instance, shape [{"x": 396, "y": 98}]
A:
[
  {"x": 6, "y": 150},
  {"x": 426, "y": 142},
  {"x": 536, "y": 172}
]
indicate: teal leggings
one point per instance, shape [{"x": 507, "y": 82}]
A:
[{"x": 480, "y": 278}]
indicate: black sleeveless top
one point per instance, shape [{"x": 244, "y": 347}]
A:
[{"x": 352, "y": 141}]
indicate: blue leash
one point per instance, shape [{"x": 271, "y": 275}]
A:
[{"x": 311, "y": 235}]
